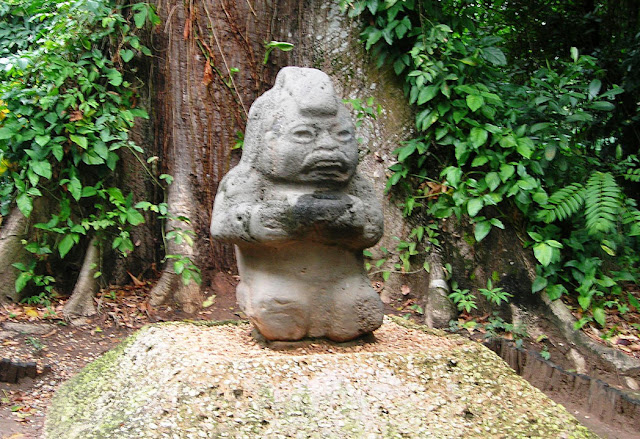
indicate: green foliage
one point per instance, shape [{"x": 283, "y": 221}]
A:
[
  {"x": 509, "y": 138},
  {"x": 67, "y": 105},
  {"x": 463, "y": 299},
  {"x": 280, "y": 45}
]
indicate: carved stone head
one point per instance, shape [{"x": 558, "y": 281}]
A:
[{"x": 300, "y": 132}]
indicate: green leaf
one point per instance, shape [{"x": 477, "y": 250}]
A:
[
  {"x": 126, "y": 55},
  {"x": 134, "y": 217},
  {"x": 539, "y": 126},
  {"x": 75, "y": 188},
  {"x": 496, "y": 223},
  {"x": 494, "y": 55},
  {"x": 594, "y": 88},
  {"x": 481, "y": 229},
  {"x": 25, "y": 204},
  {"x": 525, "y": 147},
  {"x": 539, "y": 284},
  {"x": 540, "y": 198},
  {"x": 574, "y": 54},
  {"x": 584, "y": 301},
  {"x": 7, "y": 132},
  {"x": 453, "y": 176},
  {"x": 602, "y": 106},
  {"x": 556, "y": 291},
  {"x": 43, "y": 140},
  {"x": 478, "y": 136},
  {"x": 479, "y": 160},
  {"x": 493, "y": 180},
  {"x": 101, "y": 149},
  {"x": 115, "y": 77},
  {"x": 66, "y": 244},
  {"x": 22, "y": 280},
  {"x": 543, "y": 253},
  {"x": 599, "y": 316},
  {"x": 508, "y": 141},
  {"x": 633, "y": 301},
  {"x": 42, "y": 168},
  {"x": 79, "y": 140},
  {"x": 374, "y": 36},
  {"x": 506, "y": 171},
  {"x": 406, "y": 151},
  {"x": 57, "y": 151},
  {"x": 474, "y": 102},
  {"x": 550, "y": 152},
  {"x": 140, "y": 17},
  {"x": 427, "y": 93},
  {"x": 474, "y": 206}
]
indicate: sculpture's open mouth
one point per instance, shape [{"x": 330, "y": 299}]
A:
[{"x": 326, "y": 163}]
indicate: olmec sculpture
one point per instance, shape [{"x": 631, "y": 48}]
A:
[{"x": 300, "y": 215}]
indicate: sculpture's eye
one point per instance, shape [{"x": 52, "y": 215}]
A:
[
  {"x": 344, "y": 135},
  {"x": 303, "y": 134}
]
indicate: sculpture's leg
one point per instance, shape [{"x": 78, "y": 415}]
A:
[
  {"x": 278, "y": 315},
  {"x": 357, "y": 309}
]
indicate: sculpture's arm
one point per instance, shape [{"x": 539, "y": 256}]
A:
[
  {"x": 352, "y": 218},
  {"x": 239, "y": 216},
  {"x": 365, "y": 214}
]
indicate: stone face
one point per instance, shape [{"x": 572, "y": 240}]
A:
[{"x": 300, "y": 215}]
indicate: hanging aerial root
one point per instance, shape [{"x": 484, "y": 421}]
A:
[{"x": 439, "y": 309}]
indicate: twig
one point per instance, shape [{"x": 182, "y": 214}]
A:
[{"x": 252, "y": 10}]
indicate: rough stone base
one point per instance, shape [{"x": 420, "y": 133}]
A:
[{"x": 190, "y": 381}]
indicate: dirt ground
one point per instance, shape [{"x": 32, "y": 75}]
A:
[{"x": 38, "y": 334}]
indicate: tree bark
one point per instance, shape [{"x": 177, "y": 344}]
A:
[
  {"x": 201, "y": 103},
  {"x": 80, "y": 304},
  {"x": 13, "y": 230}
]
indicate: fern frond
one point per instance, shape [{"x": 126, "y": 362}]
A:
[
  {"x": 632, "y": 175},
  {"x": 564, "y": 203},
  {"x": 632, "y": 217},
  {"x": 603, "y": 203}
]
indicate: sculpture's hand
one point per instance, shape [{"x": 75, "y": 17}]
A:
[
  {"x": 269, "y": 221},
  {"x": 321, "y": 207}
]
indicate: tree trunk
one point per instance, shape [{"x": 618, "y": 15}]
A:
[
  {"x": 13, "y": 230},
  {"x": 201, "y": 103}
]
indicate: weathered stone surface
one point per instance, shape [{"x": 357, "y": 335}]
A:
[
  {"x": 190, "y": 381},
  {"x": 27, "y": 328},
  {"x": 300, "y": 215}
]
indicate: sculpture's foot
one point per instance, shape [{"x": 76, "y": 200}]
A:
[
  {"x": 280, "y": 319},
  {"x": 356, "y": 313}
]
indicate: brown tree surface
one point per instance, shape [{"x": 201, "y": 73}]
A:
[
  {"x": 209, "y": 69},
  {"x": 209, "y": 64}
]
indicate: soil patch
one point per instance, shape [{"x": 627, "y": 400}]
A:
[{"x": 37, "y": 334}]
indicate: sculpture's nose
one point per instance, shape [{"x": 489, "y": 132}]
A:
[{"x": 325, "y": 141}]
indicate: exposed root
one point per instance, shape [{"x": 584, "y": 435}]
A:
[
  {"x": 171, "y": 288},
  {"x": 13, "y": 230},
  {"x": 564, "y": 321},
  {"x": 80, "y": 304},
  {"x": 439, "y": 310}
]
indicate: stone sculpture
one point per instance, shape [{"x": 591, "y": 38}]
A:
[{"x": 300, "y": 215}]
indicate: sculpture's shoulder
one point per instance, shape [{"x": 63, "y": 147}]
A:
[
  {"x": 361, "y": 187},
  {"x": 240, "y": 184}
]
